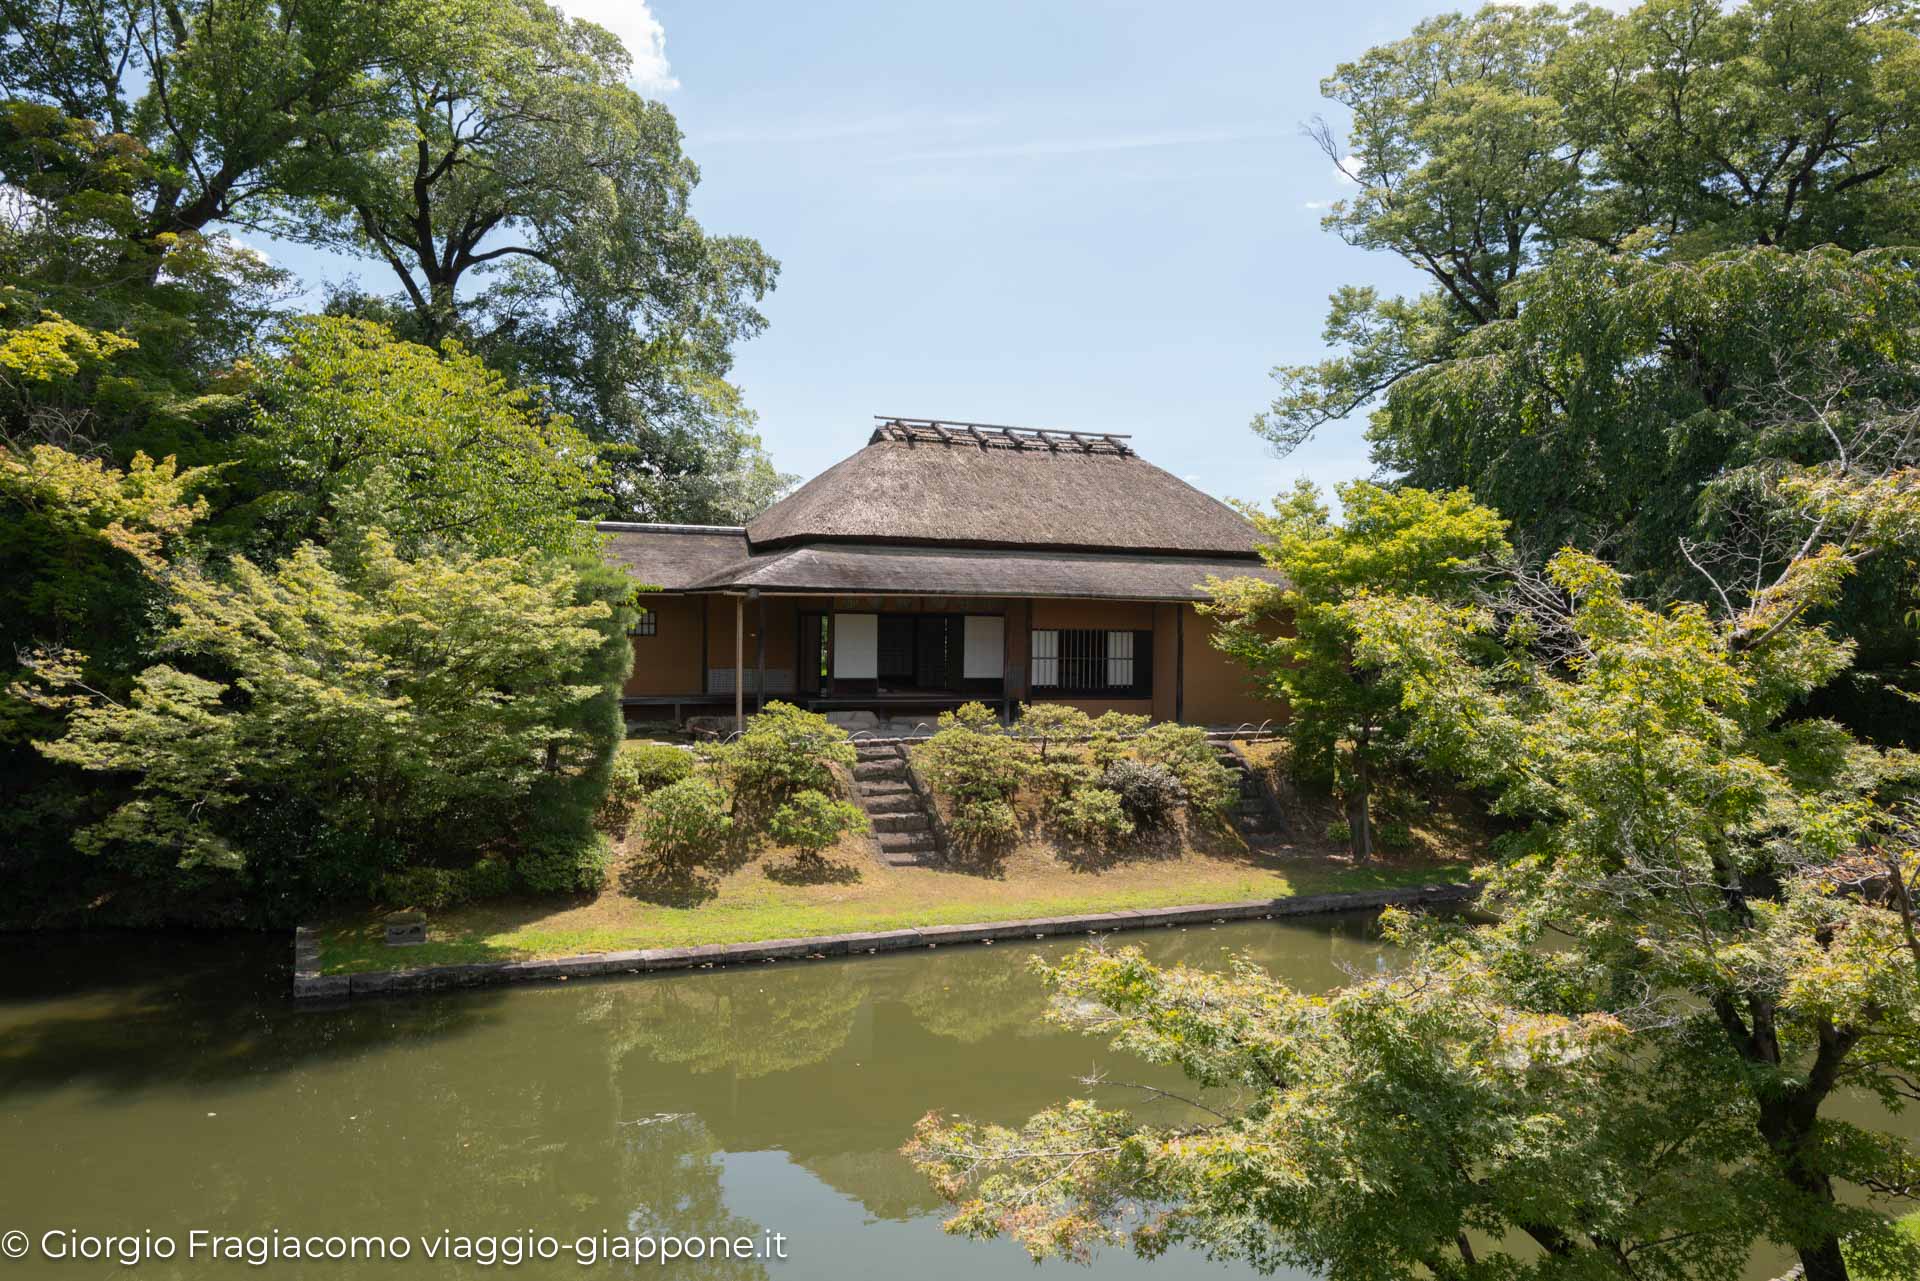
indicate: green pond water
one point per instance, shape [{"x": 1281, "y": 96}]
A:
[{"x": 163, "y": 1085}]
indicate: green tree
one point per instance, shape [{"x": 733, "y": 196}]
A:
[
  {"x": 353, "y": 427},
  {"x": 71, "y": 253},
  {"x": 528, "y": 201},
  {"x": 84, "y": 550},
  {"x": 1621, "y": 220},
  {"x": 354, "y": 722},
  {"x": 1296, "y": 637},
  {"x": 1700, "y": 940}
]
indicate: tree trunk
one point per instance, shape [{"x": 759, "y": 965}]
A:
[
  {"x": 1824, "y": 1262},
  {"x": 1359, "y": 808}
]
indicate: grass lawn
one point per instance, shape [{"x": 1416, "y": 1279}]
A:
[
  {"x": 763, "y": 899},
  {"x": 749, "y": 904}
]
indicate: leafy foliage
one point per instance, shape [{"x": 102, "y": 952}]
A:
[
  {"x": 1210, "y": 787},
  {"x": 972, "y": 759},
  {"x": 1372, "y": 1129},
  {"x": 1097, "y": 815},
  {"x": 982, "y": 827},
  {"x": 537, "y": 207},
  {"x": 685, "y": 824},
  {"x": 1109, "y": 734},
  {"x": 565, "y": 863},
  {"x": 783, "y": 751},
  {"x": 1346, "y": 723},
  {"x": 654, "y": 765},
  {"x": 1050, "y": 723},
  {"x": 1643, "y": 232},
  {"x": 812, "y": 822},
  {"x": 433, "y": 447},
  {"x": 1149, "y": 795},
  {"x": 412, "y": 706}
]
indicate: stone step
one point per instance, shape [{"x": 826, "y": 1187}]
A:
[
  {"x": 877, "y": 751},
  {"x": 906, "y": 842},
  {"x": 890, "y": 823},
  {"x": 900, "y": 802},
  {"x": 877, "y": 771},
  {"x": 883, "y": 787}
]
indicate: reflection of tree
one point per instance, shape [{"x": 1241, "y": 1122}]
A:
[
  {"x": 754, "y": 1023},
  {"x": 672, "y": 1164},
  {"x": 971, "y": 1003},
  {"x": 884, "y": 1183}
]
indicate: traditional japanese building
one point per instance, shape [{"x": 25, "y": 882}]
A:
[{"x": 948, "y": 562}]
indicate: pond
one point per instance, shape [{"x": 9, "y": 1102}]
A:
[{"x": 765, "y": 1099}]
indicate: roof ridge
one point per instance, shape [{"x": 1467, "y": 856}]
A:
[{"x": 997, "y": 436}]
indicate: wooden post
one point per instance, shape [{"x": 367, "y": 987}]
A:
[
  {"x": 760, "y": 656},
  {"x": 739, "y": 663},
  {"x": 1180, "y": 664}
]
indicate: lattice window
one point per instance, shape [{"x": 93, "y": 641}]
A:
[
  {"x": 647, "y": 624},
  {"x": 1091, "y": 660}
]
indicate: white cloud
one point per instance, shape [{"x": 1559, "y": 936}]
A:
[
  {"x": 1344, "y": 171},
  {"x": 1316, "y": 204},
  {"x": 640, "y": 31}
]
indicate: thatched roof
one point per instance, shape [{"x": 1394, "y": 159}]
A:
[
  {"x": 674, "y": 556},
  {"x": 853, "y": 569},
  {"x": 996, "y": 487}
]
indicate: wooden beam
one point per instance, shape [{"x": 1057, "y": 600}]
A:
[{"x": 739, "y": 664}]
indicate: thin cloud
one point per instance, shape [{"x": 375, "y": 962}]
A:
[
  {"x": 1094, "y": 145},
  {"x": 640, "y": 32},
  {"x": 892, "y": 124}
]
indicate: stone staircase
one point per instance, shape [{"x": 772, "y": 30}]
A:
[
  {"x": 899, "y": 816},
  {"x": 1250, "y": 815}
]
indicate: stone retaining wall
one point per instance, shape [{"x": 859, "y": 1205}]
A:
[{"x": 310, "y": 984}]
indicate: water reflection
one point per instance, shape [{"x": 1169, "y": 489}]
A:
[{"x": 720, "y": 1103}]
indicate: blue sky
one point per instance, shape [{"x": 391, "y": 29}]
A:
[{"x": 1093, "y": 216}]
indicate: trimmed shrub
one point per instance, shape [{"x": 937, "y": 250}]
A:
[
  {"x": 1095, "y": 815},
  {"x": 1394, "y": 834},
  {"x": 981, "y": 826},
  {"x": 1108, "y": 735},
  {"x": 812, "y": 821},
  {"x": 685, "y": 824},
  {"x": 975, "y": 716},
  {"x": 426, "y": 888},
  {"x": 972, "y": 759},
  {"x": 491, "y": 877},
  {"x": 1184, "y": 750},
  {"x": 784, "y": 750},
  {"x": 565, "y": 866},
  {"x": 654, "y": 765},
  {"x": 1150, "y": 794},
  {"x": 437, "y": 888},
  {"x": 1050, "y": 723},
  {"x": 1062, "y": 776}
]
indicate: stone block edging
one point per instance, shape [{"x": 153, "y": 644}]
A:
[{"x": 310, "y": 984}]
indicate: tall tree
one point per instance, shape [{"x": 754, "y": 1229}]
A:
[
  {"x": 1696, "y": 948},
  {"x": 1344, "y": 722},
  {"x": 492, "y": 156},
  {"x": 219, "y": 95},
  {"x": 529, "y": 201}
]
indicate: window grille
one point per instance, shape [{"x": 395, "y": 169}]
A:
[
  {"x": 647, "y": 624},
  {"x": 1090, "y": 660}
]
